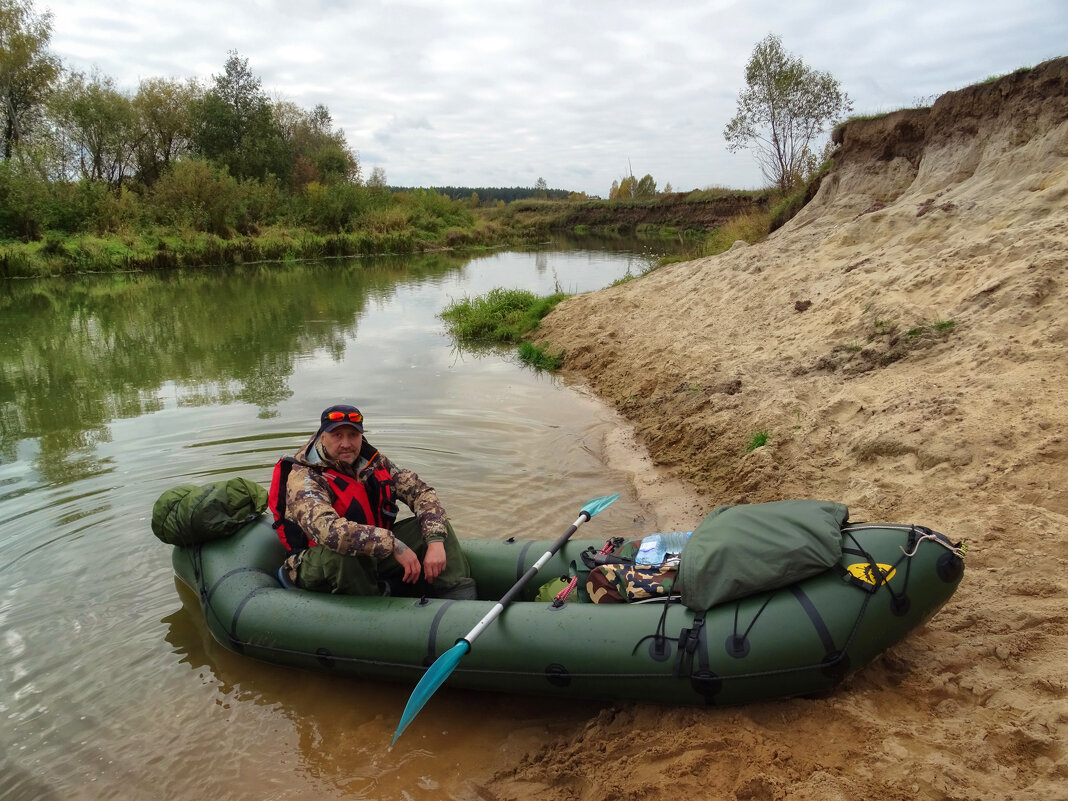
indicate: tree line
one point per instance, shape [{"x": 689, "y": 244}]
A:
[
  {"x": 483, "y": 195},
  {"x": 78, "y": 154}
]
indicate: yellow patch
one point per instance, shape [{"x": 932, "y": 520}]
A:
[{"x": 864, "y": 572}]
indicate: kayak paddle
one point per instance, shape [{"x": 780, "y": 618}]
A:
[{"x": 445, "y": 664}]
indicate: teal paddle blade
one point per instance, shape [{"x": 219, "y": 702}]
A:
[
  {"x": 599, "y": 504},
  {"x": 442, "y": 668}
]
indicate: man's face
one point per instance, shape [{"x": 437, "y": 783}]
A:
[{"x": 343, "y": 444}]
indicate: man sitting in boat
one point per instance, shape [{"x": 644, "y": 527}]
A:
[{"x": 335, "y": 506}]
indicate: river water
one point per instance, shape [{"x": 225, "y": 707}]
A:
[{"x": 115, "y": 388}]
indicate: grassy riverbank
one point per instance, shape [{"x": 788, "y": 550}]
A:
[
  {"x": 165, "y": 250},
  {"x": 130, "y": 234},
  {"x": 148, "y": 237}
]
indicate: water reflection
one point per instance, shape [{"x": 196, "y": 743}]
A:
[
  {"x": 76, "y": 355},
  {"x": 116, "y": 388}
]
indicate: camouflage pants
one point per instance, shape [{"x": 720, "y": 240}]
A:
[{"x": 323, "y": 570}]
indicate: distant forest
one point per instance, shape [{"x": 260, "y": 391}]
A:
[{"x": 488, "y": 194}]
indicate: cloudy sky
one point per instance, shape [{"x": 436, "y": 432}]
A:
[{"x": 502, "y": 92}]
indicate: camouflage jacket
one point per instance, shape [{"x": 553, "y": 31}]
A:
[{"x": 310, "y": 504}]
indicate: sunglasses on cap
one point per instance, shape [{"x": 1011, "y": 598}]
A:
[{"x": 352, "y": 417}]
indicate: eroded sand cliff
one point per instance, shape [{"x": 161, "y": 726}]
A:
[{"x": 904, "y": 343}]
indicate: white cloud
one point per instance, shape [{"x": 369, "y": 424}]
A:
[{"x": 495, "y": 93}]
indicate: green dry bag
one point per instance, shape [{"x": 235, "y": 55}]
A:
[
  {"x": 188, "y": 514},
  {"x": 742, "y": 550}
]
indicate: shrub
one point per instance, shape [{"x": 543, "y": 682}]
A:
[
  {"x": 434, "y": 213},
  {"x": 24, "y": 201},
  {"x": 332, "y": 208},
  {"x": 116, "y": 211},
  {"x": 74, "y": 206},
  {"x": 194, "y": 194},
  {"x": 259, "y": 204}
]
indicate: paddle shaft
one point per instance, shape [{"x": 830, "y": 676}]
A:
[
  {"x": 517, "y": 588},
  {"x": 445, "y": 664}
]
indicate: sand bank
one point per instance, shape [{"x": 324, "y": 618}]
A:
[{"x": 903, "y": 343}]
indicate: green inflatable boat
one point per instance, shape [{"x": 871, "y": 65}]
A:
[{"x": 705, "y": 647}]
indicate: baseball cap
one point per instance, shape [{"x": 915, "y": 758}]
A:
[{"x": 341, "y": 415}]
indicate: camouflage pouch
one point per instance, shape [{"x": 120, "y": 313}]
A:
[
  {"x": 614, "y": 584},
  {"x": 639, "y": 583},
  {"x": 602, "y": 585}
]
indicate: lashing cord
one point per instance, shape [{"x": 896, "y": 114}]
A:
[
  {"x": 917, "y": 535},
  {"x": 561, "y": 596},
  {"x": 659, "y": 636},
  {"x": 957, "y": 550}
]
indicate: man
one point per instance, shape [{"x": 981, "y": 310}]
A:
[{"x": 335, "y": 508}]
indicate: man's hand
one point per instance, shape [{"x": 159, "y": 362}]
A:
[
  {"x": 434, "y": 560},
  {"x": 407, "y": 559}
]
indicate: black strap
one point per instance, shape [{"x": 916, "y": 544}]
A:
[
  {"x": 899, "y": 600},
  {"x": 689, "y": 640},
  {"x": 745, "y": 634},
  {"x": 873, "y": 567},
  {"x": 606, "y": 556}
]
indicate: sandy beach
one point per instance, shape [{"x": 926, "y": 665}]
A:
[{"x": 904, "y": 343}]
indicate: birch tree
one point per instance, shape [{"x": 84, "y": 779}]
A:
[{"x": 784, "y": 108}]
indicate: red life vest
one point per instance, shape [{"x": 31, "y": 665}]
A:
[{"x": 369, "y": 500}]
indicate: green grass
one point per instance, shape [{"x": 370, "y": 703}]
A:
[
  {"x": 940, "y": 327},
  {"x": 540, "y": 359},
  {"x": 501, "y": 316},
  {"x": 758, "y": 439},
  {"x": 165, "y": 248},
  {"x": 504, "y": 317},
  {"x": 710, "y": 193},
  {"x": 750, "y": 227}
]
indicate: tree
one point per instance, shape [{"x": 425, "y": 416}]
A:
[
  {"x": 377, "y": 179},
  {"x": 541, "y": 189},
  {"x": 165, "y": 130},
  {"x": 319, "y": 152},
  {"x": 625, "y": 189},
  {"x": 98, "y": 126},
  {"x": 27, "y": 69},
  {"x": 785, "y": 106},
  {"x": 234, "y": 125},
  {"x": 645, "y": 188},
  {"x": 630, "y": 187}
]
